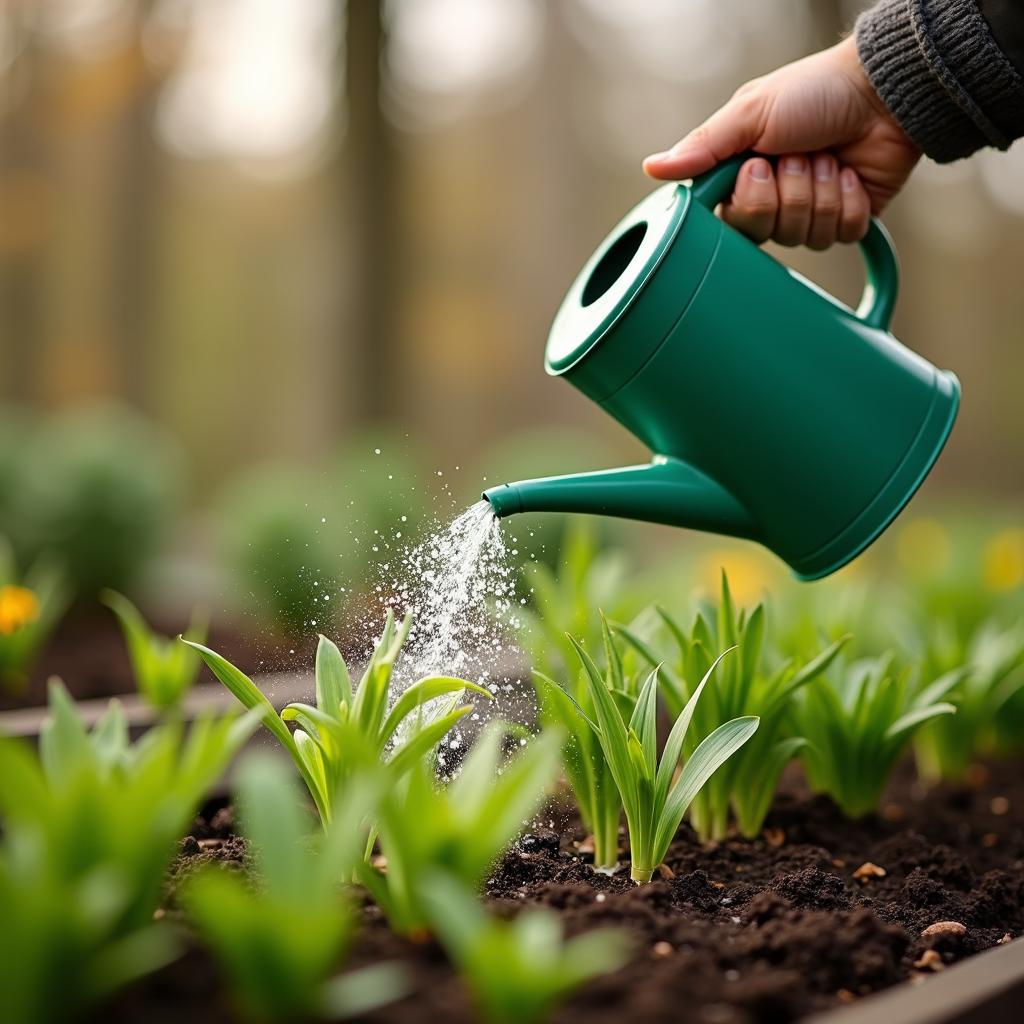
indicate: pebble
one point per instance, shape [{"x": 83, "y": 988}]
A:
[
  {"x": 867, "y": 871},
  {"x": 662, "y": 951},
  {"x": 999, "y": 806},
  {"x": 930, "y": 960},
  {"x": 601, "y": 897},
  {"x": 944, "y": 928}
]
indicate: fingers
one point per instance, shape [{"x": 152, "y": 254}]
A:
[
  {"x": 807, "y": 200},
  {"x": 827, "y": 202},
  {"x": 755, "y": 201},
  {"x": 856, "y": 209},
  {"x": 732, "y": 129}
]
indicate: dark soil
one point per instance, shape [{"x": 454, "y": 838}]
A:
[{"x": 735, "y": 933}]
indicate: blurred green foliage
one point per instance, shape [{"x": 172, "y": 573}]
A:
[
  {"x": 299, "y": 539},
  {"x": 30, "y": 607},
  {"x": 96, "y": 485},
  {"x": 89, "y": 826}
]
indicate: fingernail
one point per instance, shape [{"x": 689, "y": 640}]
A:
[
  {"x": 657, "y": 156},
  {"x": 760, "y": 170},
  {"x": 848, "y": 180},
  {"x": 822, "y": 168},
  {"x": 794, "y": 164}
]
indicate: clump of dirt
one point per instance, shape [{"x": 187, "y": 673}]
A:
[{"x": 817, "y": 912}]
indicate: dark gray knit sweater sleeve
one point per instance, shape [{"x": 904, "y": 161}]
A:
[{"x": 936, "y": 66}]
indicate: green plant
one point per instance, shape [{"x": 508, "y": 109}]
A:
[
  {"x": 300, "y": 538},
  {"x": 654, "y": 799},
  {"x": 89, "y": 826},
  {"x": 280, "y": 939},
  {"x": 518, "y": 970},
  {"x": 586, "y": 766},
  {"x": 746, "y": 784},
  {"x": 859, "y": 718},
  {"x": 349, "y": 728},
  {"x": 97, "y": 485},
  {"x": 165, "y": 670},
  {"x": 461, "y": 828},
  {"x": 30, "y": 607},
  {"x": 988, "y": 674},
  {"x": 565, "y": 600}
]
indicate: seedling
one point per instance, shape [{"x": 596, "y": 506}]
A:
[
  {"x": 462, "y": 828},
  {"x": 859, "y": 724},
  {"x": 518, "y": 971},
  {"x": 586, "y": 766},
  {"x": 565, "y": 601},
  {"x": 654, "y": 799},
  {"x": 989, "y": 672},
  {"x": 165, "y": 670},
  {"x": 349, "y": 728},
  {"x": 280, "y": 940},
  {"x": 29, "y": 609},
  {"x": 741, "y": 687},
  {"x": 89, "y": 825}
]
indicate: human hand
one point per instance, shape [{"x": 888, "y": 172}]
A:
[{"x": 843, "y": 157}]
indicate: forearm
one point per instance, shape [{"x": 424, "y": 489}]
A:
[{"x": 938, "y": 68}]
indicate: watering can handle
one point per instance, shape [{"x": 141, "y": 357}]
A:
[{"x": 880, "y": 263}]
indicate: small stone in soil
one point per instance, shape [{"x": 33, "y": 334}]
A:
[
  {"x": 999, "y": 806},
  {"x": 846, "y": 995},
  {"x": 662, "y": 950},
  {"x": 977, "y": 776},
  {"x": 930, "y": 960},
  {"x": 990, "y": 839},
  {"x": 867, "y": 871},
  {"x": 893, "y": 812},
  {"x": 774, "y": 837},
  {"x": 944, "y": 928}
]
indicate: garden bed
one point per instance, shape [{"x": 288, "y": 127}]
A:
[{"x": 763, "y": 931}]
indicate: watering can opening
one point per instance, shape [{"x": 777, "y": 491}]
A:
[
  {"x": 613, "y": 264},
  {"x": 773, "y": 412}
]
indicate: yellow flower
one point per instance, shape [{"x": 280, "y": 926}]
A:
[
  {"x": 1003, "y": 561},
  {"x": 18, "y": 607}
]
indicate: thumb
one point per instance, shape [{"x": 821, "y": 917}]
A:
[{"x": 732, "y": 129}]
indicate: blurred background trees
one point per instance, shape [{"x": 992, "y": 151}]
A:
[{"x": 267, "y": 224}]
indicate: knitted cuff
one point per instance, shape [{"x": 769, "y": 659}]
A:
[{"x": 937, "y": 68}]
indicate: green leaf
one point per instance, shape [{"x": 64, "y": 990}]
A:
[
  {"x": 713, "y": 752},
  {"x": 912, "y": 719},
  {"x": 614, "y": 740},
  {"x": 418, "y": 694},
  {"x": 333, "y": 686}
]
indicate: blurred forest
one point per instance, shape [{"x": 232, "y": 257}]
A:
[{"x": 267, "y": 222}]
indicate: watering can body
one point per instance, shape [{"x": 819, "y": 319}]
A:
[{"x": 775, "y": 412}]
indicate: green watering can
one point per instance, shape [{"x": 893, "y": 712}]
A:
[{"x": 777, "y": 413}]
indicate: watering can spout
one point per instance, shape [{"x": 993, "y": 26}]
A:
[{"x": 666, "y": 490}]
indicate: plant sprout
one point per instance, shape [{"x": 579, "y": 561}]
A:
[
  {"x": 859, "y": 725},
  {"x": 89, "y": 826},
  {"x": 29, "y": 609},
  {"x": 347, "y": 727},
  {"x": 988, "y": 671},
  {"x": 462, "y": 828},
  {"x": 279, "y": 941},
  {"x": 741, "y": 687},
  {"x": 565, "y": 601},
  {"x": 164, "y": 670},
  {"x": 654, "y": 799},
  {"x": 586, "y": 766},
  {"x": 518, "y": 970}
]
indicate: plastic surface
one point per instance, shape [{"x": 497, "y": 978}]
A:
[{"x": 776, "y": 412}]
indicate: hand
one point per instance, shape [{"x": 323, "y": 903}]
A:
[{"x": 842, "y": 155}]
